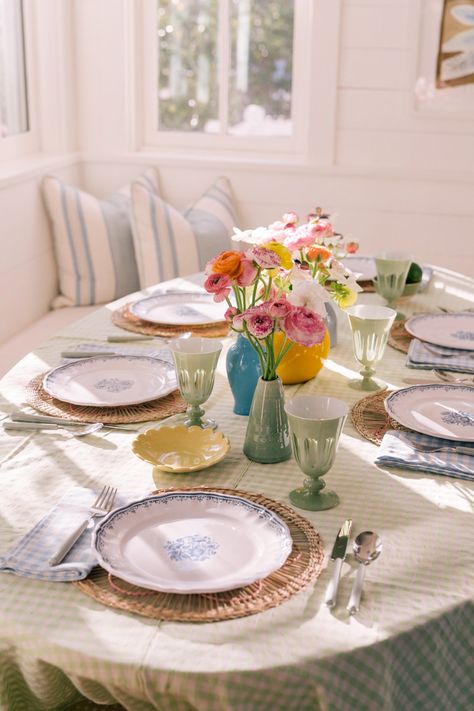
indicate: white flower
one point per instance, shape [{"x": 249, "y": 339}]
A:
[
  {"x": 255, "y": 236},
  {"x": 337, "y": 272},
  {"x": 352, "y": 284},
  {"x": 309, "y": 294},
  {"x": 297, "y": 275}
]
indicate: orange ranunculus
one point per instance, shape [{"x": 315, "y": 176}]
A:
[
  {"x": 229, "y": 263},
  {"x": 321, "y": 252}
]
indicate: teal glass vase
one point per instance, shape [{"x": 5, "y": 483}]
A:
[
  {"x": 243, "y": 372},
  {"x": 267, "y": 439}
]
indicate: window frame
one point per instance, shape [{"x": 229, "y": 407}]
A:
[
  {"x": 21, "y": 144},
  {"x": 243, "y": 146}
]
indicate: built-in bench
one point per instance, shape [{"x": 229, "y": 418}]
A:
[{"x": 18, "y": 346}]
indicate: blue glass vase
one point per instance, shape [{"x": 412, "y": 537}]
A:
[{"x": 243, "y": 372}]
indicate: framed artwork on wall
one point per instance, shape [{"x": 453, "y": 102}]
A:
[
  {"x": 444, "y": 82},
  {"x": 455, "y": 65}
]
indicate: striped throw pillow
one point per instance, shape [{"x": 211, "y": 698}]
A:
[
  {"x": 169, "y": 243},
  {"x": 93, "y": 241}
]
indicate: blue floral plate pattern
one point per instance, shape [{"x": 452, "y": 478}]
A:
[
  {"x": 444, "y": 411},
  {"x": 192, "y": 542},
  {"x": 452, "y": 330},
  {"x": 111, "y": 381}
]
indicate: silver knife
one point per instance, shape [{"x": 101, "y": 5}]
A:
[
  {"x": 131, "y": 339},
  {"x": 86, "y": 354},
  {"x": 47, "y": 419},
  {"x": 338, "y": 554}
]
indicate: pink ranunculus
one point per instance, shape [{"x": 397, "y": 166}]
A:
[
  {"x": 352, "y": 247},
  {"x": 304, "y": 326},
  {"x": 290, "y": 218},
  {"x": 219, "y": 285},
  {"x": 249, "y": 272},
  {"x": 265, "y": 258},
  {"x": 298, "y": 241},
  {"x": 238, "y": 322},
  {"x": 320, "y": 230},
  {"x": 279, "y": 308},
  {"x": 259, "y": 325},
  {"x": 230, "y": 313}
]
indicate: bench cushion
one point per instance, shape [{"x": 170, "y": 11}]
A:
[
  {"x": 93, "y": 241},
  {"x": 18, "y": 346},
  {"x": 169, "y": 243}
]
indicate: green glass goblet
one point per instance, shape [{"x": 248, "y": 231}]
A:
[
  {"x": 370, "y": 327},
  {"x": 392, "y": 270},
  {"x": 315, "y": 427},
  {"x": 195, "y": 360}
]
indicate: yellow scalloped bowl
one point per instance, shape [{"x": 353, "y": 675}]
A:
[{"x": 181, "y": 449}]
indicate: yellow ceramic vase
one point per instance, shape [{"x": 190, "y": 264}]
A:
[{"x": 301, "y": 363}]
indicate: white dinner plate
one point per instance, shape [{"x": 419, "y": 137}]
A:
[
  {"x": 180, "y": 309},
  {"x": 445, "y": 411},
  {"x": 111, "y": 381},
  {"x": 363, "y": 267},
  {"x": 192, "y": 542},
  {"x": 449, "y": 330}
]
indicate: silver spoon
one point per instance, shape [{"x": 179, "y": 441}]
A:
[
  {"x": 79, "y": 432},
  {"x": 367, "y": 548}
]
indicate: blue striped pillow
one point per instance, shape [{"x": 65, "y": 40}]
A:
[
  {"x": 93, "y": 241},
  {"x": 169, "y": 243}
]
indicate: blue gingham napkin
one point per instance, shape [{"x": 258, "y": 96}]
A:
[
  {"x": 29, "y": 556},
  {"x": 420, "y": 357},
  {"x": 396, "y": 451}
]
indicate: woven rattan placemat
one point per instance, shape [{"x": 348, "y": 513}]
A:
[
  {"x": 303, "y": 566},
  {"x": 399, "y": 338},
  {"x": 371, "y": 419},
  {"x": 123, "y": 318},
  {"x": 38, "y": 398}
]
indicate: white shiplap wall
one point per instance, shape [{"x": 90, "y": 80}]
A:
[{"x": 397, "y": 175}]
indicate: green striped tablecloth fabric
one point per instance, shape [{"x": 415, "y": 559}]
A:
[{"x": 408, "y": 649}]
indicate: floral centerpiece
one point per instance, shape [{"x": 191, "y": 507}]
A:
[
  {"x": 281, "y": 283},
  {"x": 276, "y": 293}
]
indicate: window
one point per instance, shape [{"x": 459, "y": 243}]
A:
[
  {"x": 16, "y": 135},
  {"x": 224, "y": 73},
  {"x": 256, "y": 50},
  {"x": 13, "y": 95}
]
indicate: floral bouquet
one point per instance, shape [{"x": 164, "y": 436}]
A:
[{"x": 280, "y": 285}]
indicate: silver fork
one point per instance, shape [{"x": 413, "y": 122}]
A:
[
  {"x": 101, "y": 506},
  {"x": 428, "y": 448},
  {"x": 449, "y": 378}
]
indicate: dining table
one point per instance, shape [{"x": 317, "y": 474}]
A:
[{"x": 408, "y": 648}]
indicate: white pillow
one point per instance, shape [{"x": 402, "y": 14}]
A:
[
  {"x": 169, "y": 243},
  {"x": 93, "y": 241}
]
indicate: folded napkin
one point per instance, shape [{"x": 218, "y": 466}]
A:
[
  {"x": 163, "y": 354},
  {"x": 396, "y": 450},
  {"x": 421, "y": 357},
  {"x": 29, "y": 556}
]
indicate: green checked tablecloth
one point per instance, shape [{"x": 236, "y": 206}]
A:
[{"x": 410, "y": 648}]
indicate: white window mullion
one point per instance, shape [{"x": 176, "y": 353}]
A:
[{"x": 223, "y": 59}]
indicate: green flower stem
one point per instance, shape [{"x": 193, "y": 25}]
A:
[
  {"x": 269, "y": 286},
  {"x": 270, "y": 371},
  {"x": 238, "y": 300},
  {"x": 284, "y": 348},
  {"x": 254, "y": 295},
  {"x": 255, "y": 343}
]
